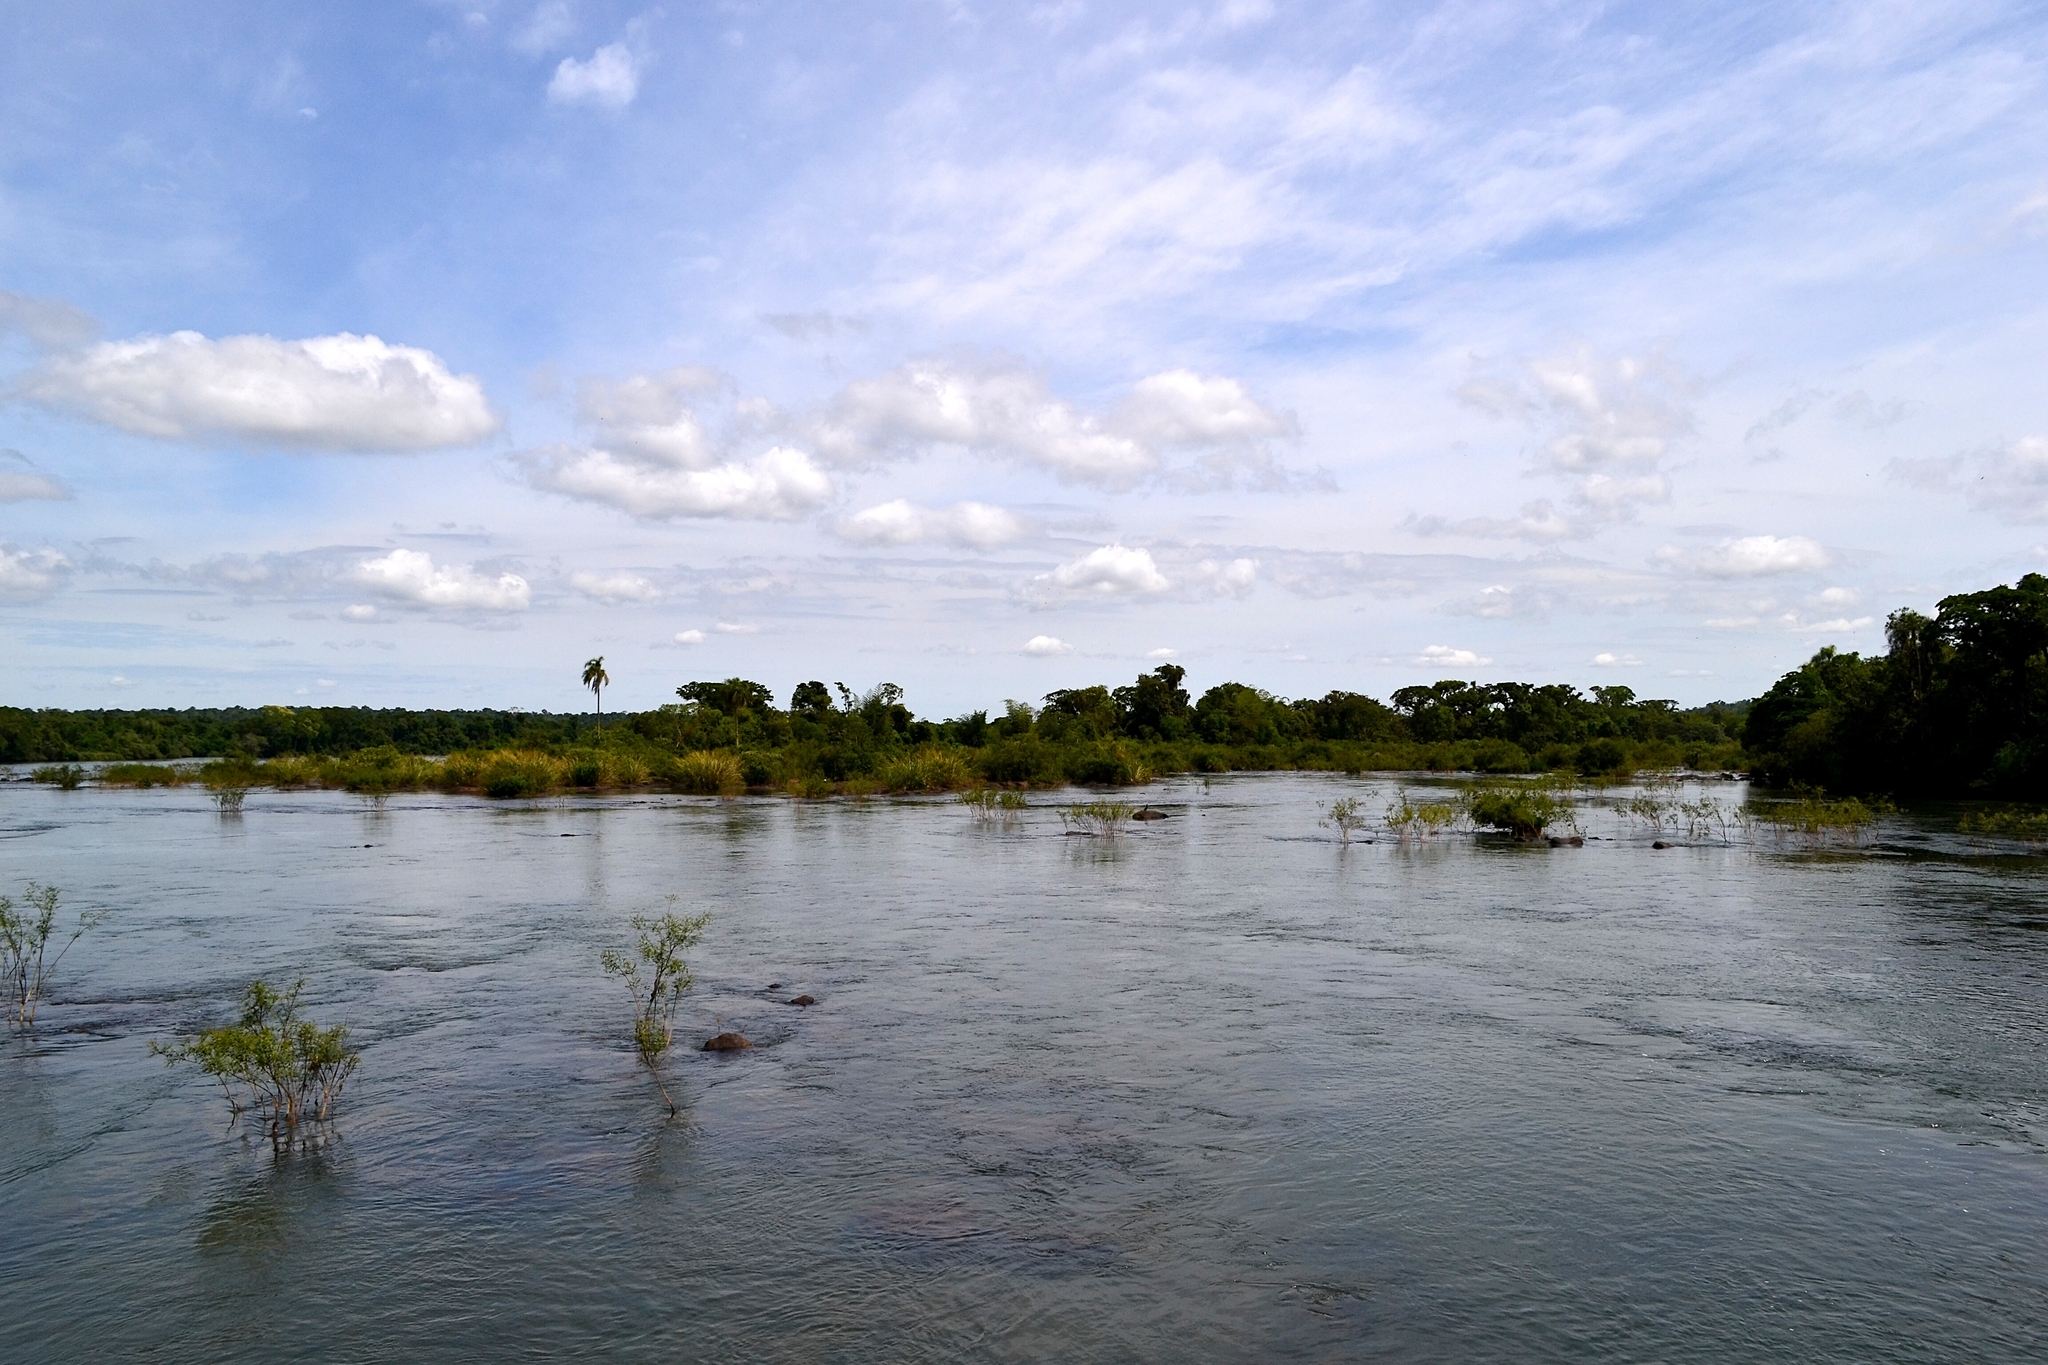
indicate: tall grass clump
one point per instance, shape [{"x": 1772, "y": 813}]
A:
[
  {"x": 26, "y": 933},
  {"x": 286, "y": 1069},
  {"x": 655, "y": 976},
  {"x": 1098, "y": 819},
  {"x": 2013, "y": 822},
  {"x": 512, "y": 772},
  {"x": 990, "y": 806},
  {"x": 708, "y": 772},
  {"x": 929, "y": 769}
]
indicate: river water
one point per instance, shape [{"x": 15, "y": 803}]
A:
[{"x": 1220, "y": 1089}]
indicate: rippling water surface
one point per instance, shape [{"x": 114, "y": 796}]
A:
[{"x": 1220, "y": 1089}]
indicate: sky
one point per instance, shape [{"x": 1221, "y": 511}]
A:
[{"x": 413, "y": 353}]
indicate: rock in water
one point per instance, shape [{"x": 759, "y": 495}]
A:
[
  {"x": 1149, "y": 814},
  {"x": 1660, "y": 844},
  {"x": 727, "y": 1042},
  {"x": 803, "y": 1000}
]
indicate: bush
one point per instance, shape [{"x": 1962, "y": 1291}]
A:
[
  {"x": 26, "y": 933},
  {"x": 509, "y": 773},
  {"x": 1524, "y": 812},
  {"x": 655, "y": 975},
  {"x": 289, "y": 1070},
  {"x": 142, "y": 775},
  {"x": 1603, "y": 757},
  {"x": 64, "y": 775}
]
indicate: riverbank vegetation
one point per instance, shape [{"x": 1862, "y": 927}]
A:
[{"x": 722, "y": 738}]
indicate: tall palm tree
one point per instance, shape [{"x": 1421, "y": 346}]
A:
[{"x": 595, "y": 678}]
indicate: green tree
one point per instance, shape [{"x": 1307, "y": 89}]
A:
[{"x": 596, "y": 679}]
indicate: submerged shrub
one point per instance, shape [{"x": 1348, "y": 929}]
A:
[
  {"x": 1345, "y": 816},
  {"x": 1413, "y": 820},
  {"x": 140, "y": 775},
  {"x": 66, "y": 776},
  {"x": 26, "y": 932},
  {"x": 655, "y": 975},
  {"x": 1815, "y": 819},
  {"x": 287, "y": 1070},
  {"x": 708, "y": 772},
  {"x": 1524, "y": 812}
]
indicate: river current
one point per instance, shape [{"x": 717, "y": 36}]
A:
[{"x": 1223, "y": 1088}]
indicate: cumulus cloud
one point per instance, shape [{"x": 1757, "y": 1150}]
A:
[
  {"x": 1443, "y": 656},
  {"x": 1607, "y": 660},
  {"x": 736, "y": 628},
  {"x": 1007, "y": 411},
  {"x": 780, "y": 485},
  {"x": 19, "y": 481},
  {"x": 2009, "y": 481},
  {"x": 27, "y": 574},
  {"x": 650, "y": 417},
  {"x": 342, "y": 392},
  {"x": 1162, "y": 653},
  {"x": 1047, "y": 646},
  {"x": 613, "y": 588},
  {"x": 361, "y": 611},
  {"x": 1604, "y": 425},
  {"x": 609, "y": 77},
  {"x": 689, "y": 637},
  {"x": 1111, "y": 571},
  {"x": 1748, "y": 557},
  {"x": 411, "y": 577},
  {"x": 973, "y": 525}
]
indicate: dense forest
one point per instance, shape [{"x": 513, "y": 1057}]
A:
[
  {"x": 1956, "y": 706},
  {"x": 833, "y": 735}
]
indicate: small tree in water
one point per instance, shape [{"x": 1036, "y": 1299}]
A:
[
  {"x": 289, "y": 1070},
  {"x": 656, "y": 976},
  {"x": 26, "y": 932},
  {"x": 1346, "y": 817}
]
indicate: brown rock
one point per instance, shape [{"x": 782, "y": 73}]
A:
[
  {"x": 1149, "y": 814},
  {"x": 803, "y": 1000},
  {"x": 727, "y": 1042},
  {"x": 1660, "y": 844}
]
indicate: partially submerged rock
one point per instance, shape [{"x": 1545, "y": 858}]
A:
[
  {"x": 803, "y": 1000},
  {"x": 1567, "y": 841},
  {"x": 1660, "y": 844},
  {"x": 727, "y": 1042},
  {"x": 1149, "y": 814}
]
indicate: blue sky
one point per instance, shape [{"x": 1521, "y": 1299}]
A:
[{"x": 412, "y": 353}]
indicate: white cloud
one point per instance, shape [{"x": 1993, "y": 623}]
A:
[
  {"x": 48, "y": 323},
  {"x": 1538, "y": 521},
  {"x": 28, "y": 574},
  {"x": 1162, "y": 653},
  {"x": 976, "y": 525},
  {"x": 1047, "y": 646},
  {"x": 614, "y": 588},
  {"x": 1111, "y": 571},
  {"x": 781, "y": 485},
  {"x": 342, "y": 392},
  {"x": 689, "y": 637},
  {"x": 736, "y": 628},
  {"x": 549, "y": 24},
  {"x": 362, "y": 611},
  {"x": 1005, "y": 410},
  {"x": 1606, "y": 425},
  {"x": 610, "y": 77},
  {"x": 1748, "y": 557},
  {"x": 1235, "y": 579},
  {"x": 1443, "y": 656},
  {"x": 410, "y": 577},
  {"x": 1607, "y": 660},
  {"x": 19, "y": 481},
  {"x": 648, "y": 417},
  {"x": 2009, "y": 481}
]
